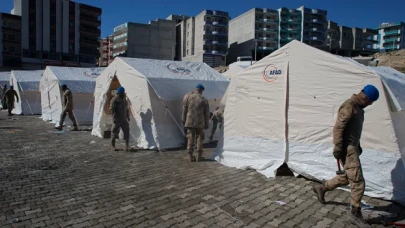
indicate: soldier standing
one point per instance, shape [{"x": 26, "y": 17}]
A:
[
  {"x": 119, "y": 110},
  {"x": 347, "y": 150},
  {"x": 67, "y": 102},
  {"x": 8, "y": 99},
  {"x": 216, "y": 117},
  {"x": 196, "y": 119}
]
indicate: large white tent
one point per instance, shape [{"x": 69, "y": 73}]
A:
[
  {"x": 26, "y": 84},
  {"x": 81, "y": 81},
  {"x": 155, "y": 90},
  {"x": 4, "y": 80},
  {"x": 283, "y": 108}
]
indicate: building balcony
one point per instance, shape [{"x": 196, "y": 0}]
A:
[
  {"x": 217, "y": 33},
  {"x": 215, "y": 52},
  {"x": 261, "y": 38},
  {"x": 395, "y": 32},
  {"x": 397, "y": 39},
  {"x": 9, "y": 28},
  {"x": 217, "y": 23},
  {"x": 294, "y": 12},
  {"x": 267, "y": 11},
  {"x": 216, "y": 42},
  {"x": 391, "y": 47},
  {"x": 314, "y": 38},
  {"x": 319, "y": 30},
  {"x": 268, "y": 30},
  {"x": 266, "y": 48},
  {"x": 316, "y": 11},
  {"x": 270, "y": 21},
  {"x": 315, "y": 21},
  {"x": 7, "y": 53},
  {"x": 217, "y": 13},
  {"x": 86, "y": 19},
  {"x": 89, "y": 42}
]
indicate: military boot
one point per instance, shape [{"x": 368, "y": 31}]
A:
[
  {"x": 75, "y": 128},
  {"x": 190, "y": 157},
  {"x": 200, "y": 157},
  {"x": 127, "y": 147},
  {"x": 355, "y": 217},
  {"x": 113, "y": 148},
  {"x": 320, "y": 191}
]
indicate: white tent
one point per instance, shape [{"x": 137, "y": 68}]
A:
[
  {"x": 81, "y": 81},
  {"x": 283, "y": 108},
  {"x": 4, "y": 79},
  {"x": 26, "y": 84},
  {"x": 155, "y": 90},
  {"x": 234, "y": 69}
]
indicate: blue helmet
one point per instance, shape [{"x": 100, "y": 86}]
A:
[
  {"x": 11, "y": 87},
  {"x": 120, "y": 90},
  {"x": 371, "y": 92},
  {"x": 199, "y": 86},
  {"x": 63, "y": 86}
]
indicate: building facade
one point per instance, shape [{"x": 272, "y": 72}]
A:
[
  {"x": 260, "y": 31},
  {"x": 203, "y": 38},
  {"x": 58, "y": 32},
  {"x": 10, "y": 41},
  {"x": 156, "y": 40},
  {"x": 391, "y": 36},
  {"x": 347, "y": 41},
  {"x": 106, "y": 51}
]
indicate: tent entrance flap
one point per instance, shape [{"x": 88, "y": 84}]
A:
[{"x": 112, "y": 90}]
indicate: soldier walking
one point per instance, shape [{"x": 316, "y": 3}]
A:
[
  {"x": 8, "y": 99},
  {"x": 347, "y": 150},
  {"x": 67, "y": 102},
  {"x": 119, "y": 110},
  {"x": 196, "y": 119}
]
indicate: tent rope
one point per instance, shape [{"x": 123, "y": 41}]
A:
[{"x": 170, "y": 113}]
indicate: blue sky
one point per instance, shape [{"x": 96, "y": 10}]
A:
[{"x": 360, "y": 13}]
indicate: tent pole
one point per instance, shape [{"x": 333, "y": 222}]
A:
[{"x": 170, "y": 113}]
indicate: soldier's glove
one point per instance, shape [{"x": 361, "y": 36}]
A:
[
  {"x": 338, "y": 152},
  {"x": 360, "y": 150}
]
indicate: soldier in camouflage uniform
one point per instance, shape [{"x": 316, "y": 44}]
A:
[
  {"x": 196, "y": 119},
  {"x": 8, "y": 99},
  {"x": 347, "y": 150},
  {"x": 119, "y": 110},
  {"x": 3, "y": 101},
  {"x": 216, "y": 117},
  {"x": 67, "y": 102}
]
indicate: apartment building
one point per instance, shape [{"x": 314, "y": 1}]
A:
[
  {"x": 204, "y": 38},
  {"x": 391, "y": 36},
  {"x": 314, "y": 24},
  {"x": 180, "y": 43},
  {"x": 349, "y": 41},
  {"x": 58, "y": 32},
  {"x": 260, "y": 31},
  {"x": 156, "y": 40},
  {"x": 106, "y": 51},
  {"x": 10, "y": 41}
]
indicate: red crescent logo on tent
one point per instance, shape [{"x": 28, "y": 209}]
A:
[{"x": 270, "y": 73}]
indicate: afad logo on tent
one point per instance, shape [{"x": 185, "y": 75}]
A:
[
  {"x": 93, "y": 73},
  {"x": 270, "y": 73},
  {"x": 178, "y": 69}
]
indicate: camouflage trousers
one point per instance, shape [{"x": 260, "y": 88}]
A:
[
  {"x": 10, "y": 107},
  {"x": 195, "y": 134},
  {"x": 71, "y": 117},
  {"x": 353, "y": 175},
  {"x": 124, "y": 125}
]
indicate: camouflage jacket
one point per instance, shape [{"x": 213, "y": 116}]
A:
[
  {"x": 67, "y": 100},
  {"x": 195, "y": 110},
  {"x": 9, "y": 96},
  {"x": 349, "y": 123},
  {"x": 119, "y": 109}
]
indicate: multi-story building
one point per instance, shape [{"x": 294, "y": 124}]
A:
[
  {"x": 314, "y": 27},
  {"x": 258, "y": 32},
  {"x": 58, "y": 32},
  {"x": 204, "y": 38},
  {"x": 391, "y": 36},
  {"x": 106, "y": 51},
  {"x": 180, "y": 27},
  {"x": 349, "y": 41},
  {"x": 10, "y": 41},
  {"x": 156, "y": 40}
]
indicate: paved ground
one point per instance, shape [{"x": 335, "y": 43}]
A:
[{"x": 72, "y": 179}]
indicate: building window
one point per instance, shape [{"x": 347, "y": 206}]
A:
[
  {"x": 187, "y": 51},
  {"x": 188, "y": 25},
  {"x": 187, "y": 43},
  {"x": 5, "y": 48},
  {"x": 188, "y": 33},
  {"x": 11, "y": 37}
]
